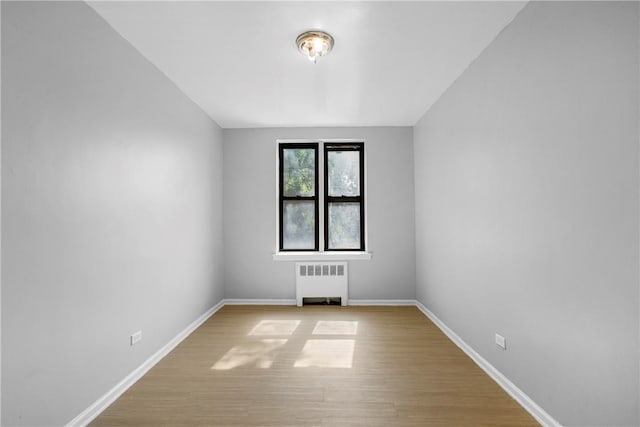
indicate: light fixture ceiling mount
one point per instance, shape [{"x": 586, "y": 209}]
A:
[{"x": 314, "y": 43}]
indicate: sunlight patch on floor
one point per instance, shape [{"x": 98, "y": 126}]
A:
[
  {"x": 275, "y": 327},
  {"x": 336, "y": 327},
  {"x": 258, "y": 354},
  {"x": 326, "y": 354}
]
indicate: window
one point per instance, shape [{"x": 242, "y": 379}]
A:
[
  {"x": 298, "y": 197},
  {"x": 335, "y": 182},
  {"x": 343, "y": 201}
]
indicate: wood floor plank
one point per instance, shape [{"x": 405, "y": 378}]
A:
[{"x": 316, "y": 366}]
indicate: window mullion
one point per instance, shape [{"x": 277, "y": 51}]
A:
[
  {"x": 325, "y": 194},
  {"x": 317, "y": 197}
]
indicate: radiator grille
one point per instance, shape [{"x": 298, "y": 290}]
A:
[
  {"x": 322, "y": 280},
  {"x": 321, "y": 270}
]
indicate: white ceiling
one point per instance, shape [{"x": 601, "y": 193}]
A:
[{"x": 239, "y": 62}]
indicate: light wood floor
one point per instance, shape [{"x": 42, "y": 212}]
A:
[{"x": 316, "y": 366}]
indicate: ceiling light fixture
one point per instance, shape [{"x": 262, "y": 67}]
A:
[{"x": 313, "y": 44}]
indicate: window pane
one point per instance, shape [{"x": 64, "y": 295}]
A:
[
  {"x": 298, "y": 225},
  {"x": 299, "y": 172},
  {"x": 344, "y": 173},
  {"x": 344, "y": 226}
]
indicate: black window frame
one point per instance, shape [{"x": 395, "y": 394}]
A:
[
  {"x": 343, "y": 146},
  {"x": 283, "y": 198}
]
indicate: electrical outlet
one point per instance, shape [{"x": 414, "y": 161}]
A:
[
  {"x": 136, "y": 337},
  {"x": 501, "y": 341}
]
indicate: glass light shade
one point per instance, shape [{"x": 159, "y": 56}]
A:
[{"x": 313, "y": 44}]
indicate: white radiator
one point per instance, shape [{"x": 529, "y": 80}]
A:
[{"x": 321, "y": 280}]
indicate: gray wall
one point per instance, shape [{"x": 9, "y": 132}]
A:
[
  {"x": 111, "y": 210},
  {"x": 250, "y": 214},
  {"x": 0, "y": 225},
  {"x": 526, "y": 177}
]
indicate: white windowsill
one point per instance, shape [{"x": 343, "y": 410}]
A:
[{"x": 321, "y": 256}]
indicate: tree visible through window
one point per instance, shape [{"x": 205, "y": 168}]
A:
[
  {"x": 344, "y": 207},
  {"x": 298, "y": 197},
  {"x": 342, "y": 199}
]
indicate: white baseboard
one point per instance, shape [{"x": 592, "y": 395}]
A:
[
  {"x": 525, "y": 401},
  {"x": 381, "y": 302},
  {"x": 241, "y": 301},
  {"x": 89, "y": 414},
  {"x": 359, "y": 302}
]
